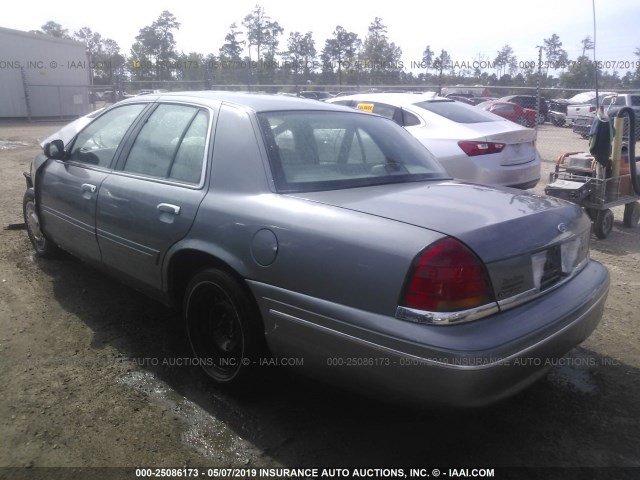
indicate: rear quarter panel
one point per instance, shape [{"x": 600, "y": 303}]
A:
[{"x": 323, "y": 251}]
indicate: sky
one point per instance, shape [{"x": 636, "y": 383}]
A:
[{"x": 468, "y": 30}]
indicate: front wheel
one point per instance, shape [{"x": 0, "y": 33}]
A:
[
  {"x": 224, "y": 327},
  {"x": 41, "y": 244}
]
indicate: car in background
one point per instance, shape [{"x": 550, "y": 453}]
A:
[
  {"x": 530, "y": 102},
  {"x": 314, "y": 94},
  {"x": 610, "y": 105},
  {"x": 292, "y": 228},
  {"x": 511, "y": 111},
  {"x": 565, "y": 111},
  {"x": 478, "y": 100},
  {"x": 471, "y": 144},
  {"x": 577, "y": 110},
  {"x": 458, "y": 98},
  {"x": 147, "y": 91}
]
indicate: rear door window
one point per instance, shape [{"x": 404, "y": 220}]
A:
[{"x": 171, "y": 145}]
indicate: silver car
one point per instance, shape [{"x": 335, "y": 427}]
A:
[
  {"x": 293, "y": 229},
  {"x": 470, "y": 143}
]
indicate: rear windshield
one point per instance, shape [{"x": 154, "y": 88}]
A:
[
  {"x": 456, "y": 111},
  {"x": 316, "y": 150}
]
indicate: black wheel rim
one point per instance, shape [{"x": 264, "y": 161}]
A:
[{"x": 215, "y": 331}]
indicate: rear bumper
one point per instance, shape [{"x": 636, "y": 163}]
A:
[
  {"x": 459, "y": 365},
  {"x": 490, "y": 171}
]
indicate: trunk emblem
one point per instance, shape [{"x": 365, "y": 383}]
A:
[{"x": 562, "y": 227}]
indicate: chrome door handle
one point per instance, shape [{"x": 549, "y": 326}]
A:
[
  {"x": 169, "y": 208},
  {"x": 87, "y": 187}
]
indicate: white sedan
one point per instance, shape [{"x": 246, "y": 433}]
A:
[{"x": 471, "y": 144}]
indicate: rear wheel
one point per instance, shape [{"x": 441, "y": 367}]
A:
[
  {"x": 541, "y": 118},
  {"x": 631, "y": 214},
  {"x": 603, "y": 223},
  {"x": 41, "y": 244},
  {"x": 224, "y": 327}
]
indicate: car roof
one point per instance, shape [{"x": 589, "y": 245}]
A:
[
  {"x": 258, "y": 102},
  {"x": 398, "y": 99}
]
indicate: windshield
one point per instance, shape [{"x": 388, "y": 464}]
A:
[{"x": 316, "y": 150}]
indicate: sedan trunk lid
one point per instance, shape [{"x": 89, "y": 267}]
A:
[{"x": 497, "y": 223}]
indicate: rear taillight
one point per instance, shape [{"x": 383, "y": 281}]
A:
[
  {"x": 480, "y": 148},
  {"x": 592, "y": 109},
  {"x": 447, "y": 277}
]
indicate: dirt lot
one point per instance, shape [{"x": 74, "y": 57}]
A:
[{"x": 84, "y": 382}]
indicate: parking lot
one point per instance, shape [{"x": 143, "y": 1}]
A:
[{"x": 92, "y": 376}]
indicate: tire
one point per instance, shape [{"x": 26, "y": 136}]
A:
[
  {"x": 631, "y": 214},
  {"x": 603, "y": 223},
  {"x": 541, "y": 118},
  {"x": 224, "y": 327},
  {"x": 41, "y": 244}
]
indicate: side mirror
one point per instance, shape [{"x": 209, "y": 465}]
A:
[{"x": 54, "y": 149}]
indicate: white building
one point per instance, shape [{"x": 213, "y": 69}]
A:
[{"x": 42, "y": 76}]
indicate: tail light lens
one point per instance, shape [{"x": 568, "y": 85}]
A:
[
  {"x": 592, "y": 109},
  {"x": 447, "y": 277},
  {"x": 480, "y": 148}
]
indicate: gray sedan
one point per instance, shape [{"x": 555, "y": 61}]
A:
[{"x": 293, "y": 229}]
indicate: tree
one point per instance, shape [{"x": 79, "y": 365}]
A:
[
  {"x": 441, "y": 62},
  {"x": 104, "y": 55},
  {"x": 587, "y": 44},
  {"x": 301, "y": 52},
  {"x": 54, "y": 29},
  {"x": 427, "y": 58},
  {"x": 262, "y": 33},
  {"x": 479, "y": 63},
  {"x": 114, "y": 60},
  {"x": 163, "y": 28},
  {"x": 636, "y": 77},
  {"x": 230, "y": 69},
  {"x": 191, "y": 67},
  {"x": 93, "y": 40},
  {"x": 382, "y": 57},
  {"x": 156, "y": 44},
  {"x": 505, "y": 60},
  {"x": 555, "y": 55},
  {"x": 580, "y": 74},
  {"x": 233, "y": 47},
  {"x": 341, "y": 50}
]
